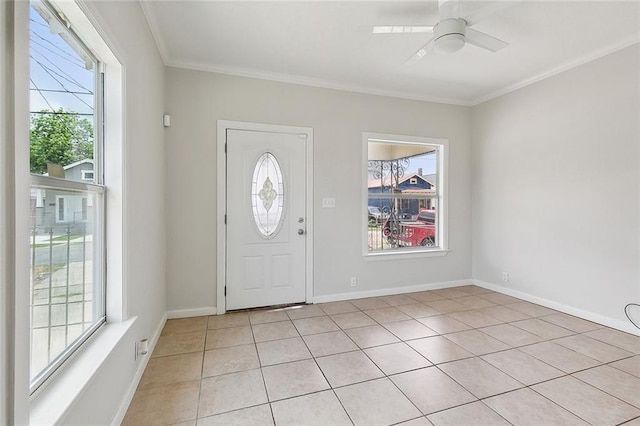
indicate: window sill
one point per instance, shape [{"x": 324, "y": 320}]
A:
[
  {"x": 396, "y": 255},
  {"x": 50, "y": 403}
]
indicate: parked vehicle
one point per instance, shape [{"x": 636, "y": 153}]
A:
[
  {"x": 376, "y": 216},
  {"x": 414, "y": 233}
]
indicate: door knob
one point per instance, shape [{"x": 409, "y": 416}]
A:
[{"x": 300, "y": 231}]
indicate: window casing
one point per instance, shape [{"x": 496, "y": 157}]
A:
[
  {"x": 67, "y": 302},
  {"x": 405, "y": 180}
]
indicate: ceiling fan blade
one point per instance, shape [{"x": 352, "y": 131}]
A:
[
  {"x": 484, "y": 41},
  {"x": 447, "y": 9},
  {"x": 400, "y": 29},
  {"x": 421, "y": 53}
]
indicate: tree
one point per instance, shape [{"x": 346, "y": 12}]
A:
[{"x": 59, "y": 137}]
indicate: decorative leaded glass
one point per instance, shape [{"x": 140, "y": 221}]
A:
[{"x": 267, "y": 195}]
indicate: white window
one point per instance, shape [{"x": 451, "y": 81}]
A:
[
  {"x": 401, "y": 215},
  {"x": 67, "y": 241}
]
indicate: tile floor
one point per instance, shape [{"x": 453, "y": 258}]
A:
[{"x": 457, "y": 356}]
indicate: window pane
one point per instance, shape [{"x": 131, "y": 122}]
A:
[
  {"x": 402, "y": 196},
  {"x": 267, "y": 195},
  {"x": 62, "y": 99},
  {"x": 66, "y": 292}
]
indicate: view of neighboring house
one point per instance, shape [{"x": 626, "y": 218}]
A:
[
  {"x": 412, "y": 184},
  {"x": 54, "y": 208}
]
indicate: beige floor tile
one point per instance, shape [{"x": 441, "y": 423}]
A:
[
  {"x": 418, "y": 310},
  {"x": 254, "y": 416},
  {"x": 476, "y": 413},
  {"x": 560, "y": 357},
  {"x": 531, "y": 309},
  {"x": 352, "y": 320},
  {"x": 263, "y": 317},
  {"x": 634, "y": 422},
  {"x": 334, "y": 308},
  {"x": 230, "y": 392},
  {"x": 174, "y": 344},
  {"x": 613, "y": 381},
  {"x": 230, "y": 360},
  {"x": 329, "y": 343},
  {"x": 593, "y": 348},
  {"x": 398, "y": 300},
  {"x": 386, "y": 315},
  {"x": 396, "y": 358},
  {"x": 187, "y": 423},
  {"x": 431, "y": 390},
  {"x": 172, "y": 369},
  {"x": 321, "y": 409},
  {"x": 274, "y": 331},
  {"x": 293, "y": 379},
  {"x": 587, "y": 402},
  {"x": 500, "y": 299},
  {"x": 426, "y": 296},
  {"x": 477, "y": 342},
  {"x": 420, "y": 421},
  {"x": 475, "y": 319},
  {"x": 304, "y": 311},
  {"x": 625, "y": 341},
  {"x": 164, "y": 404},
  {"x": 438, "y": 349},
  {"x": 512, "y": 336},
  {"x": 571, "y": 323},
  {"x": 475, "y": 290},
  {"x": 479, "y": 377},
  {"x": 629, "y": 365},
  {"x": 409, "y": 330},
  {"x": 229, "y": 320},
  {"x": 474, "y": 302},
  {"x": 185, "y": 325},
  {"x": 542, "y": 328},
  {"x": 444, "y": 324},
  {"x": 452, "y": 292},
  {"x": 376, "y": 402},
  {"x": 524, "y": 407},
  {"x": 504, "y": 314},
  {"x": 348, "y": 368},
  {"x": 369, "y": 303},
  {"x": 225, "y": 337},
  {"x": 374, "y": 335},
  {"x": 315, "y": 325},
  {"x": 447, "y": 306},
  {"x": 522, "y": 367},
  {"x": 284, "y": 350}
]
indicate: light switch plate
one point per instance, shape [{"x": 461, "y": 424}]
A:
[{"x": 328, "y": 203}]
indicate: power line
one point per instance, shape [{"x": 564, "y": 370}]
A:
[
  {"x": 41, "y": 94},
  {"x": 80, "y": 63},
  {"x": 62, "y": 91},
  {"x": 48, "y": 71},
  {"x": 70, "y": 78},
  {"x": 86, "y": 114}
]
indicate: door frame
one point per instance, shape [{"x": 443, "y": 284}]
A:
[{"x": 221, "y": 227}]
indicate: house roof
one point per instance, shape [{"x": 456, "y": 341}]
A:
[{"x": 77, "y": 163}]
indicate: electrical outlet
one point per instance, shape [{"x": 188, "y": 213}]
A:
[
  {"x": 354, "y": 281},
  {"x": 505, "y": 277}
]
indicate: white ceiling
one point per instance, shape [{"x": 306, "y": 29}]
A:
[{"x": 323, "y": 43}]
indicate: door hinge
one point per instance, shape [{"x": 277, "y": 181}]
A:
[
  {"x": 225, "y": 219},
  {"x": 225, "y": 147},
  {"x": 225, "y": 290}
]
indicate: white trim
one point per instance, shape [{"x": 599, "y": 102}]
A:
[
  {"x": 223, "y": 126},
  {"x": 407, "y": 254},
  {"x": 195, "y": 312},
  {"x": 580, "y": 313},
  {"x": 558, "y": 70},
  {"x": 391, "y": 291},
  {"x": 126, "y": 402}
]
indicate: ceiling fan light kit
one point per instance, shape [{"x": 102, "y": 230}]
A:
[{"x": 448, "y": 35}]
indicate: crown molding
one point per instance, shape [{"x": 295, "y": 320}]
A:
[{"x": 154, "y": 26}]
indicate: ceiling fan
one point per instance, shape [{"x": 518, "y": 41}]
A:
[{"x": 450, "y": 33}]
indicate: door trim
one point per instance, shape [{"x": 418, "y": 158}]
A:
[{"x": 221, "y": 229}]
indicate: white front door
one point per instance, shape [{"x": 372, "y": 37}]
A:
[{"x": 266, "y": 218}]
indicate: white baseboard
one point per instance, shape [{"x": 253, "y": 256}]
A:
[
  {"x": 580, "y": 313},
  {"x": 187, "y": 313},
  {"x": 389, "y": 291},
  {"x": 122, "y": 411}
]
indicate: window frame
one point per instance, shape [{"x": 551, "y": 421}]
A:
[
  {"x": 96, "y": 187},
  {"x": 441, "y": 197}
]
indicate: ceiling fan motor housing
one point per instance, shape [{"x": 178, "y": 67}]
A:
[{"x": 449, "y": 35}]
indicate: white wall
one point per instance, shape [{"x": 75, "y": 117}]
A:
[
  {"x": 196, "y": 100},
  {"x": 556, "y": 188}
]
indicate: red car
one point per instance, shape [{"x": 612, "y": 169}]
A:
[{"x": 419, "y": 232}]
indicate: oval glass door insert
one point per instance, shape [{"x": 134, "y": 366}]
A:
[{"x": 267, "y": 195}]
